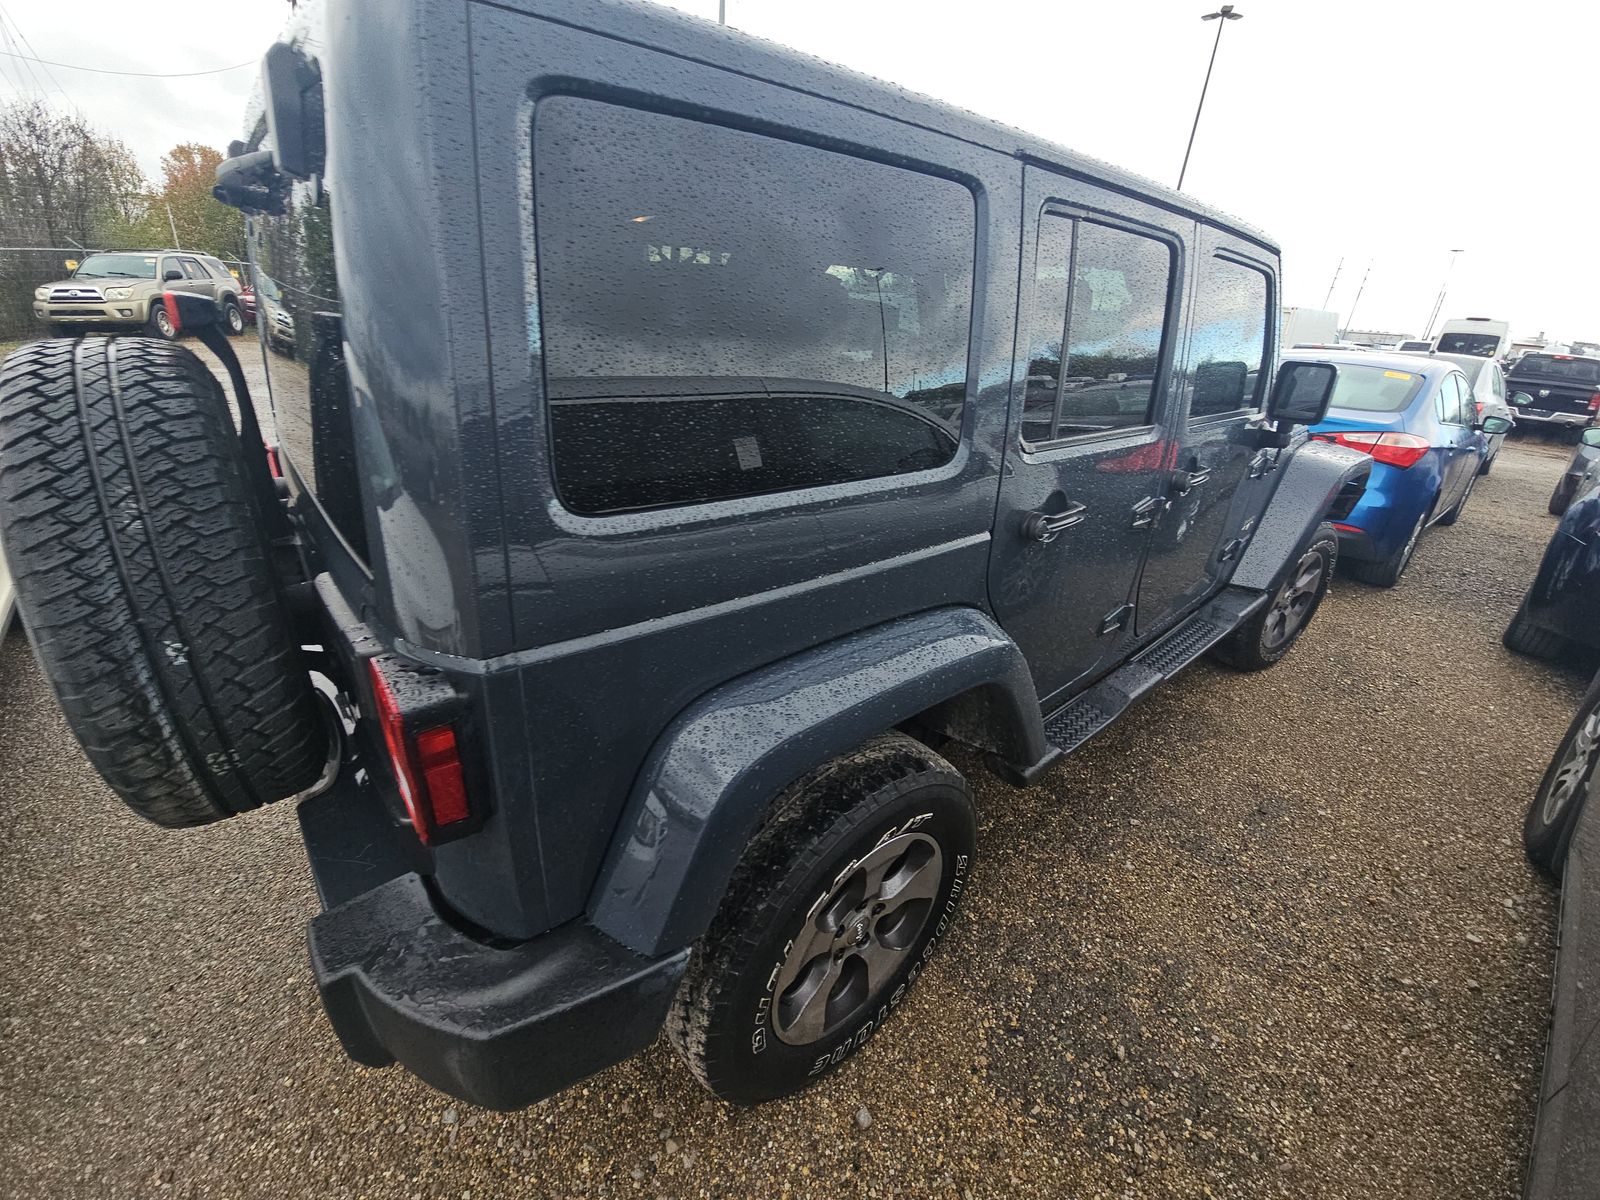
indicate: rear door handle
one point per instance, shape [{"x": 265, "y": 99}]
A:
[{"x": 1043, "y": 527}]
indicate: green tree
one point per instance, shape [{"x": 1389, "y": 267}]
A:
[
  {"x": 60, "y": 180},
  {"x": 204, "y": 223}
]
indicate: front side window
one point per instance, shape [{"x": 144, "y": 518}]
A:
[
  {"x": 1101, "y": 294},
  {"x": 726, "y": 314},
  {"x": 191, "y": 268},
  {"x": 1229, "y": 347}
]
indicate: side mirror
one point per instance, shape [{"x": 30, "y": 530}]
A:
[
  {"x": 1591, "y": 436},
  {"x": 171, "y": 273},
  {"x": 1521, "y": 398},
  {"x": 1494, "y": 425},
  {"x": 1302, "y": 392}
]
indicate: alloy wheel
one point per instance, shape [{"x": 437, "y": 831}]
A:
[
  {"x": 1294, "y": 601},
  {"x": 856, "y": 937},
  {"x": 1577, "y": 765}
]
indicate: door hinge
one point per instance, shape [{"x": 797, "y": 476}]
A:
[
  {"x": 1263, "y": 462},
  {"x": 1231, "y": 550},
  {"x": 1116, "y": 619}
]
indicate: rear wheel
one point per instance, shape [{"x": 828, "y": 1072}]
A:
[
  {"x": 1488, "y": 461},
  {"x": 829, "y": 919},
  {"x": 1386, "y": 572},
  {"x": 1271, "y": 633},
  {"x": 144, "y": 581},
  {"x": 1547, "y": 829},
  {"x": 234, "y": 316}
]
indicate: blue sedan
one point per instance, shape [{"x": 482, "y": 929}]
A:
[{"x": 1417, "y": 419}]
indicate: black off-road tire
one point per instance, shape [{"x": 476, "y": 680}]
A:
[
  {"x": 723, "y": 1021},
  {"x": 1523, "y": 636},
  {"x": 144, "y": 580},
  {"x": 1269, "y": 635},
  {"x": 1553, "y": 815}
]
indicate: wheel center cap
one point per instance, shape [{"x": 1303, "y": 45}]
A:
[{"x": 857, "y": 933}]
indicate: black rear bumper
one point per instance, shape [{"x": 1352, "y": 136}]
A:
[{"x": 496, "y": 1025}]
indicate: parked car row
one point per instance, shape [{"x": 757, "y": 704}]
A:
[{"x": 1429, "y": 437}]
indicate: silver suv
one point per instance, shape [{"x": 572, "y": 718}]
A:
[{"x": 121, "y": 289}]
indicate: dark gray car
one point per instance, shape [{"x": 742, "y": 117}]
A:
[
  {"x": 1581, "y": 471},
  {"x": 682, "y": 441}
]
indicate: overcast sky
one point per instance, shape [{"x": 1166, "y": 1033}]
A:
[{"x": 1381, "y": 131}]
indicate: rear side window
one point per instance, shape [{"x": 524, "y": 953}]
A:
[
  {"x": 725, "y": 314},
  {"x": 1450, "y": 399},
  {"x": 1229, "y": 347},
  {"x": 1102, "y": 294}
]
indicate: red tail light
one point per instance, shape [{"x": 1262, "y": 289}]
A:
[
  {"x": 1479, "y": 405},
  {"x": 272, "y": 462},
  {"x": 1594, "y": 402},
  {"x": 1395, "y": 449},
  {"x": 427, "y": 766}
]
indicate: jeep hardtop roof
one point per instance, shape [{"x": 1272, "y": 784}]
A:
[{"x": 671, "y": 32}]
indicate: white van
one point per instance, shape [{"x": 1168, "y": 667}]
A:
[{"x": 1481, "y": 336}]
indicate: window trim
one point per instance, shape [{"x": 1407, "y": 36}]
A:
[
  {"x": 1258, "y": 404},
  {"x": 719, "y": 509},
  {"x": 1462, "y": 395},
  {"x": 1161, "y": 384}
]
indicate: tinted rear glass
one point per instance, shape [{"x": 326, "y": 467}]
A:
[
  {"x": 1374, "y": 389},
  {"x": 724, "y": 314},
  {"x": 1578, "y": 370},
  {"x": 1481, "y": 344}
]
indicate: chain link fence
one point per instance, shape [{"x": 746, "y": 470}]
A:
[{"x": 24, "y": 268}]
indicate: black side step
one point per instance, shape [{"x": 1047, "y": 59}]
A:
[{"x": 1082, "y": 718}]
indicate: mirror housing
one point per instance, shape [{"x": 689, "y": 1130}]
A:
[
  {"x": 170, "y": 274},
  {"x": 1518, "y": 399},
  {"x": 1590, "y": 436},
  {"x": 293, "y": 97},
  {"x": 1493, "y": 424},
  {"x": 1301, "y": 393}
]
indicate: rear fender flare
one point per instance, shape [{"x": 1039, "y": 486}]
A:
[
  {"x": 1307, "y": 487},
  {"x": 710, "y": 779}
]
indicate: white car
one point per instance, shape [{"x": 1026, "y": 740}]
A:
[{"x": 1489, "y": 393}]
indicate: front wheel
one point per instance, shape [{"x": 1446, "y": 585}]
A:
[
  {"x": 1560, "y": 498},
  {"x": 1269, "y": 635},
  {"x": 160, "y": 323},
  {"x": 1547, "y": 829},
  {"x": 829, "y": 920}
]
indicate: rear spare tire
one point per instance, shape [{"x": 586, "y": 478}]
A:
[{"x": 145, "y": 582}]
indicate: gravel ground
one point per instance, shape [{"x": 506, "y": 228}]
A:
[{"x": 1272, "y": 935}]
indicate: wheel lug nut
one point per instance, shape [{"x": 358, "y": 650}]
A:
[{"x": 877, "y": 908}]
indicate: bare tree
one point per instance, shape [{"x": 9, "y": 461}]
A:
[{"x": 60, "y": 180}]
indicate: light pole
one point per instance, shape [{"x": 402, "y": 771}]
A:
[
  {"x": 1439, "y": 303},
  {"x": 1221, "y": 17}
]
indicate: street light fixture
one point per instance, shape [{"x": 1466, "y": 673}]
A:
[{"x": 1222, "y": 16}]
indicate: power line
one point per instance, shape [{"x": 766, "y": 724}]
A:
[
  {"x": 137, "y": 74},
  {"x": 27, "y": 46}
]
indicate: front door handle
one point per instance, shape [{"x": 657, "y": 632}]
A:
[
  {"x": 1043, "y": 527},
  {"x": 1183, "y": 482}
]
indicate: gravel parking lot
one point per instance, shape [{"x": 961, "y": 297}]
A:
[{"x": 1286, "y": 946}]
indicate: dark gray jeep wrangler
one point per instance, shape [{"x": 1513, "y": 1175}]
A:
[{"x": 681, "y": 441}]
